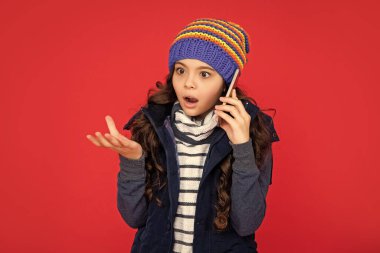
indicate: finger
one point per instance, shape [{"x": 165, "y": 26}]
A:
[
  {"x": 231, "y": 109},
  {"x": 113, "y": 140},
  {"x": 226, "y": 117},
  {"x": 234, "y": 94},
  {"x": 103, "y": 140},
  {"x": 236, "y": 102},
  {"x": 93, "y": 140},
  {"x": 111, "y": 126},
  {"x": 124, "y": 140}
]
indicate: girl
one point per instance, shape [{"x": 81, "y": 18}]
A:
[{"x": 195, "y": 173}]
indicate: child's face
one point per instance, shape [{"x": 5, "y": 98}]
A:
[{"x": 198, "y": 80}]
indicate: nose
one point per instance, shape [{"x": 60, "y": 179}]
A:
[{"x": 189, "y": 83}]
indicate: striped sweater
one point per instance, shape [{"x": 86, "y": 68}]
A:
[
  {"x": 192, "y": 144},
  {"x": 191, "y": 159}
]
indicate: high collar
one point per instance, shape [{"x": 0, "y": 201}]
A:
[{"x": 191, "y": 130}]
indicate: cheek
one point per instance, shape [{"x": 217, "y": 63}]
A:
[
  {"x": 212, "y": 95},
  {"x": 177, "y": 93},
  {"x": 175, "y": 86},
  {"x": 177, "y": 82}
]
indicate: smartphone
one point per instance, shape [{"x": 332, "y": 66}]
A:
[
  {"x": 229, "y": 91},
  {"x": 232, "y": 85}
]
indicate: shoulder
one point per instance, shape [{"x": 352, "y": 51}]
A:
[
  {"x": 155, "y": 112},
  {"x": 270, "y": 123},
  {"x": 127, "y": 126},
  {"x": 252, "y": 109}
]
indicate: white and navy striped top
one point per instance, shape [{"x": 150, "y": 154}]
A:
[
  {"x": 191, "y": 160},
  {"x": 191, "y": 156}
]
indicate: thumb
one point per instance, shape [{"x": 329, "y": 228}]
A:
[{"x": 111, "y": 126}]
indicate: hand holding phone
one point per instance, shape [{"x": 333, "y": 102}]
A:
[{"x": 228, "y": 94}]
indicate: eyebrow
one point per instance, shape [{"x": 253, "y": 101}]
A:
[{"x": 201, "y": 67}]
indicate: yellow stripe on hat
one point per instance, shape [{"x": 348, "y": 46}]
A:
[
  {"x": 237, "y": 31},
  {"x": 207, "y": 37},
  {"x": 227, "y": 38},
  {"x": 220, "y": 27}
]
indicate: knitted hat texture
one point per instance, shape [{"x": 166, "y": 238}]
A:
[{"x": 222, "y": 44}]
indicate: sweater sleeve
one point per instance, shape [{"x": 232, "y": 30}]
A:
[
  {"x": 131, "y": 201},
  {"x": 249, "y": 188}
]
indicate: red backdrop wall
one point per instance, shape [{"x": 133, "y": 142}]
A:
[{"x": 65, "y": 65}]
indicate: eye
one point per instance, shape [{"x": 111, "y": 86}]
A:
[
  {"x": 178, "y": 69},
  {"x": 204, "y": 72}
]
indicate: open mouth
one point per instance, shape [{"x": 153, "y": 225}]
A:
[
  {"x": 191, "y": 99},
  {"x": 190, "y": 102}
]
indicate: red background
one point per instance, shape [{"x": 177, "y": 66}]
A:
[{"x": 66, "y": 65}]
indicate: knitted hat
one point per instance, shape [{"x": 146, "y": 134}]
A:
[{"x": 221, "y": 44}]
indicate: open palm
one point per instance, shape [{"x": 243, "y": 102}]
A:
[{"x": 116, "y": 141}]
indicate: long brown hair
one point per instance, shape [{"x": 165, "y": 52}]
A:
[{"x": 142, "y": 131}]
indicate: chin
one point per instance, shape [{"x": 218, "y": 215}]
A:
[{"x": 190, "y": 112}]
